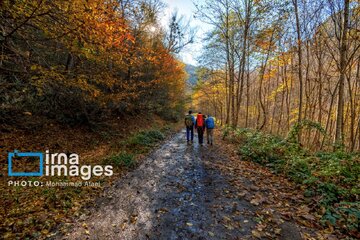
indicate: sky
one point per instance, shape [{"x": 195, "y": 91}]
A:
[{"x": 187, "y": 9}]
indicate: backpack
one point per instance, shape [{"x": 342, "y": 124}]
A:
[
  {"x": 189, "y": 121},
  {"x": 210, "y": 123},
  {"x": 200, "y": 120}
]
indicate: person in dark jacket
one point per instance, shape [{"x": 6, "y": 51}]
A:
[
  {"x": 189, "y": 123},
  {"x": 200, "y": 126}
]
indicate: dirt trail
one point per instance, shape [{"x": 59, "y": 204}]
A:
[{"x": 174, "y": 194}]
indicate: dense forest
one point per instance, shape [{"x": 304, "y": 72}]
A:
[
  {"x": 283, "y": 79},
  {"x": 98, "y": 78},
  {"x": 104, "y": 80},
  {"x": 102, "y": 58},
  {"x": 272, "y": 64}
]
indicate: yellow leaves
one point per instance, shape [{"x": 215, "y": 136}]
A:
[
  {"x": 228, "y": 222},
  {"x": 270, "y": 74},
  {"x": 123, "y": 226},
  {"x": 257, "y": 234},
  {"x": 253, "y": 109},
  {"x": 33, "y": 67},
  {"x": 294, "y": 115},
  {"x": 30, "y": 114},
  {"x": 264, "y": 40},
  {"x": 242, "y": 194},
  {"x": 264, "y": 45},
  {"x": 8, "y": 235},
  {"x": 227, "y": 219},
  {"x": 133, "y": 218},
  {"x": 279, "y": 89},
  {"x": 212, "y": 86},
  {"x": 277, "y": 231},
  {"x": 163, "y": 210},
  {"x": 151, "y": 58}
]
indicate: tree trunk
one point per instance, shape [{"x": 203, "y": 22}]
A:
[
  {"x": 339, "y": 132},
  {"x": 299, "y": 53}
]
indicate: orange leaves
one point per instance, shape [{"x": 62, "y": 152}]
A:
[
  {"x": 265, "y": 39},
  {"x": 264, "y": 45},
  {"x": 103, "y": 27},
  {"x": 90, "y": 50},
  {"x": 74, "y": 23},
  {"x": 270, "y": 74}
]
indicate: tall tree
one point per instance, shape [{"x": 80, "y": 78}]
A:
[
  {"x": 299, "y": 53},
  {"x": 339, "y": 133}
]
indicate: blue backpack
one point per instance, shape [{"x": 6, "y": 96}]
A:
[{"x": 210, "y": 123}]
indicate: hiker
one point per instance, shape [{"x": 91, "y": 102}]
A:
[
  {"x": 189, "y": 123},
  {"x": 210, "y": 125},
  {"x": 200, "y": 126}
]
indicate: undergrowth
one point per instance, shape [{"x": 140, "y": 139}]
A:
[
  {"x": 332, "y": 177},
  {"x": 122, "y": 159},
  {"x": 139, "y": 143}
]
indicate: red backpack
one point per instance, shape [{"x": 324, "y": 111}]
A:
[{"x": 200, "y": 120}]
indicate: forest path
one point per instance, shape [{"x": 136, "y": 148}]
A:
[{"x": 179, "y": 192}]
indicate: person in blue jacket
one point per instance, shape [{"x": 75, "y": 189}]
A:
[{"x": 210, "y": 125}]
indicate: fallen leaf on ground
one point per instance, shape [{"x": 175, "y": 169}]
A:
[
  {"x": 133, "y": 219},
  {"x": 256, "y": 233},
  {"x": 258, "y": 199}
]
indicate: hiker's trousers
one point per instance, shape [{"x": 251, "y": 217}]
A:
[
  {"x": 200, "y": 131},
  {"x": 189, "y": 133},
  {"x": 210, "y": 135}
]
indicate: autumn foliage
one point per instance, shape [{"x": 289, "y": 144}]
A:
[
  {"x": 74, "y": 74},
  {"x": 283, "y": 78},
  {"x": 99, "y": 57}
]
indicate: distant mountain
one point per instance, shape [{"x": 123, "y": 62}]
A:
[{"x": 191, "y": 70}]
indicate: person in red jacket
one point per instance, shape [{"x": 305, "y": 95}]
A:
[{"x": 200, "y": 126}]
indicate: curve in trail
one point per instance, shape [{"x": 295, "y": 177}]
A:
[{"x": 172, "y": 195}]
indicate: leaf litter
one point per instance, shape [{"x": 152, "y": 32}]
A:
[{"x": 201, "y": 193}]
